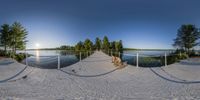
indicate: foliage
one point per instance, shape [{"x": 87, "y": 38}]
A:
[
  {"x": 175, "y": 57},
  {"x": 106, "y": 43},
  {"x": 112, "y": 45},
  {"x": 88, "y": 45},
  {"x": 79, "y": 46},
  {"x": 194, "y": 53},
  {"x": 3, "y": 53},
  {"x": 149, "y": 61},
  {"x": 66, "y": 47},
  {"x": 106, "y": 46},
  {"x": 13, "y": 36},
  {"x": 5, "y": 35},
  {"x": 18, "y": 35},
  {"x": 118, "y": 46},
  {"x": 19, "y": 57},
  {"x": 98, "y": 44},
  {"x": 187, "y": 37},
  {"x": 129, "y": 49}
]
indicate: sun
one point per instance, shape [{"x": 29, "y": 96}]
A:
[{"x": 37, "y": 45}]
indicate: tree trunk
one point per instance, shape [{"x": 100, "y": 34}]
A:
[
  {"x": 5, "y": 48},
  {"x": 15, "y": 49},
  {"x": 188, "y": 50}
]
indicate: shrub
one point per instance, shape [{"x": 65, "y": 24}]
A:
[
  {"x": 172, "y": 58},
  {"x": 2, "y": 53},
  {"x": 19, "y": 57},
  {"x": 182, "y": 56}
]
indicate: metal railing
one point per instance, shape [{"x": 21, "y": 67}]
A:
[
  {"x": 137, "y": 59},
  {"x": 55, "y": 61},
  {"x": 147, "y": 60}
]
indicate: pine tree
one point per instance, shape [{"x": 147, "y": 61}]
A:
[
  {"x": 18, "y": 35},
  {"x": 98, "y": 44},
  {"x": 5, "y": 36},
  {"x": 106, "y": 43},
  {"x": 187, "y": 37}
]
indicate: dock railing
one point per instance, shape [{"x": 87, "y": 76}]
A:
[{"x": 139, "y": 59}]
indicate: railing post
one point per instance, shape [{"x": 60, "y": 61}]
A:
[
  {"x": 137, "y": 60},
  {"x": 26, "y": 58},
  {"x": 58, "y": 61},
  {"x": 165, "y": 59},
  {"x": 80, "y": 56}
]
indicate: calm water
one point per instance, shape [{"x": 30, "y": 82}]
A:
[
  {"x": 146, "y": 58},
  {"x": 147, "y": 53},
  {"x": 49, "y": 58}
]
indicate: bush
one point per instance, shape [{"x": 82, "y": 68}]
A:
[
  {"x": 2, "y": 53},
  {"x": 150, "y": 61},
  {"x": 182, "y": 56},
  {"x": 19, "y": 57},
  {"x": 194, "y": 53},
  {"x": 175, "y": 57}
]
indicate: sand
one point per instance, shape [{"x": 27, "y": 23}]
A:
[{"x": 96, "y": 78}]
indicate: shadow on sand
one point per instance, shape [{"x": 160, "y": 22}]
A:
[
  {"x": 172, "y": 80},
  {"x": 97, "y": 75},
  {"x": 6, "y": 80},
  {"x": 190, "y": 63},
  {"x": 104, "y": 60},
  {"x": 6, "y": 63}
]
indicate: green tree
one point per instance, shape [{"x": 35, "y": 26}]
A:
[
  {"x": 66, "y": 47},
  {"x": 88, "y": 45},
  {"x": 18, "y": 35},
  {"x": 98, "y": 44},
  {"x": 118, "y": 46},
  {"x": 187, "y": 37},
  {"x": 5, "y": 36},
  {"x": 112, "y": 45},
  {"x": 79, "y": 46},
  {"x": 106, "y": 43}
]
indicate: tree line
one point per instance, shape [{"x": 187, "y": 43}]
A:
[
  {"x": 99, "y": 44},
  {"x": 13, "y": 37},
  {"x": 188, "y": 37}
]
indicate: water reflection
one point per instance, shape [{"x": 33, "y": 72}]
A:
[
  {"x": 48, "y": 58},
  {"x": 37, "y": 53}
]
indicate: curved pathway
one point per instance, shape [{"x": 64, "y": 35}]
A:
[{"x": 96, "y": 78}]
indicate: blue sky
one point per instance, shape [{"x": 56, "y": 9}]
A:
[{"x": 138, "y": 23}]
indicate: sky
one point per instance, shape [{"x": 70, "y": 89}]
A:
[{"x": 145, "y": 24}]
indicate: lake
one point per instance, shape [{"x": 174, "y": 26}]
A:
[
  {"x": 146, "y": 58},
  {"x": 49, "y": 58}
]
